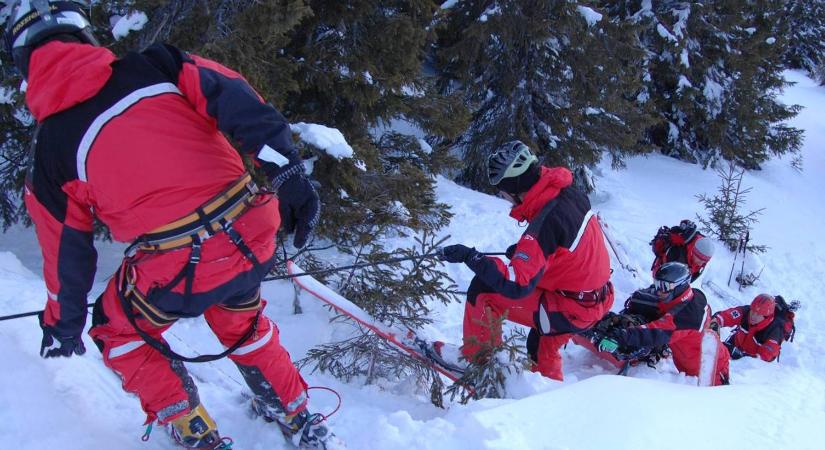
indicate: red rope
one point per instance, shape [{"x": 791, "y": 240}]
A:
[{"x": 337, "y": 407}]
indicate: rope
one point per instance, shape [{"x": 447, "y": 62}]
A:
[
  {"x": 337, "y": 407},
  {"x": 284, "y": 277}
]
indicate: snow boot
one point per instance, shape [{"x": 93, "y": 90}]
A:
[
  {"x": 446, "y": 355},
  {"x": 196, "y": 429},
  {"x": 303, "y": 429}
]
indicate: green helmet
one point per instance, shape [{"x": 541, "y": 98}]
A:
[{"x": 513, "y": 169}]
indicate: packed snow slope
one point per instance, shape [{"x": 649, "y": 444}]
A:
[{"x": 77, "y": 403}]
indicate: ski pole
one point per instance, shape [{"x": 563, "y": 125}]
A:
[{"x": 362, "y": 265}]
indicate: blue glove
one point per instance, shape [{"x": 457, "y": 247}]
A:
[
  {"x": 456, "y": 253},
  {"x": 53, "y": 346},
  {"x": 299, "y": 204}
]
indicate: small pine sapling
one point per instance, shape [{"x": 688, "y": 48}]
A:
[{"x": 492, "y": 365}]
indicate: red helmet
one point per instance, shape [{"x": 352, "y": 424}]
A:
[{"x": 763, "y": 305}]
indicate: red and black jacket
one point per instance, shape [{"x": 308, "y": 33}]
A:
[
  {"x": 136, "y": 142},
  {"x": 562, "y": 248},
  {"x": 763, "y": 339},
  {"x": 680, "y": 326}
]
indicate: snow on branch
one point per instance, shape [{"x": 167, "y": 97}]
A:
[
  {"x": 123, "y": 25},
  {"x": 325, "y": 138},
  {"x": 591, "y": 16}
]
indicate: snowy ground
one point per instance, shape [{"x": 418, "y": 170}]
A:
[{"x": 78, "y": 404}]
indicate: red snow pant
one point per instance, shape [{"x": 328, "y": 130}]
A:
[
  {"x": 482, "y": 309},
  {"x": 722, "y": 375},
  {"x": 687, "y": 356},
  {"x": 226, "y": 290}
]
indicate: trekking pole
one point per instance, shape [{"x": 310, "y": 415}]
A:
[
  {"x": 735, "y": 257},
  {"x": 744, "y": 253}
]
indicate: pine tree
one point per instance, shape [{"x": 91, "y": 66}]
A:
[
  {"x": 15, "y": 128},
  {"x": 555, "y": 75},
  {"x": 726, "y": 220},
  {"x": 486, "y": 376},
  {"x": 804, "y": 29},
  {"x": 714, "y": 76}
]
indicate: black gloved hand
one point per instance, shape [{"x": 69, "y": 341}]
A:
[
  {"x": 714, "y": 325},
  {"x": 735, "y": 353},
  {"x": 53, "y": 346},
  {"x": 511, "y": 250},
  {"x": 299, "y": 204},
  {"x": 456, "y": 253}
]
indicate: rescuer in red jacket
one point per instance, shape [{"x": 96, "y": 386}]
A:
[
  {"x": 138, "y": 143},
  {"x": 680, "y": 315},
  {"x": 761, "y": 330},
  {"x": 557, "y": 281}
]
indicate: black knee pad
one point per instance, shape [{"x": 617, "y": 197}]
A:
[
  {"x": 533, "y": 345},
  {"x": 98, "y": 318},
  {"x": 477, "y": 287}
]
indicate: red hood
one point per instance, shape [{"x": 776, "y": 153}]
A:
[
  {"x": 551, "y": 182},
  {"x": 666, "y": 306},
  {"x": 61, "y": 75}
]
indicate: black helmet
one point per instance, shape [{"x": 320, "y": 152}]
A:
[
  {"x": 513, "y": 168},
  {"x": 671, "y": 277},
  {"x": 32, "y": 22}
]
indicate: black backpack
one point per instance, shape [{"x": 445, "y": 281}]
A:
[{"x": 786, "y": 312}]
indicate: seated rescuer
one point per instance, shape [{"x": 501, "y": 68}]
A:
[
  {"x": 679, "y": 320},
  {"x": 557, "y": 281},
  {"x": 137, "y": 143}
]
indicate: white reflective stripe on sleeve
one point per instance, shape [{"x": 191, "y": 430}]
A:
[
  {"x": 52, "y": 295},
  {"x": 544, "y": 321},
  {"x": 511, "y": 272},
  {"x": 115, "y": 110},
  {"x": 269, "y": 154},
  {"x": 579, "y": 235},
  {"x": 121, "y": 350},
  {"x": 249, "y": 348}
]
